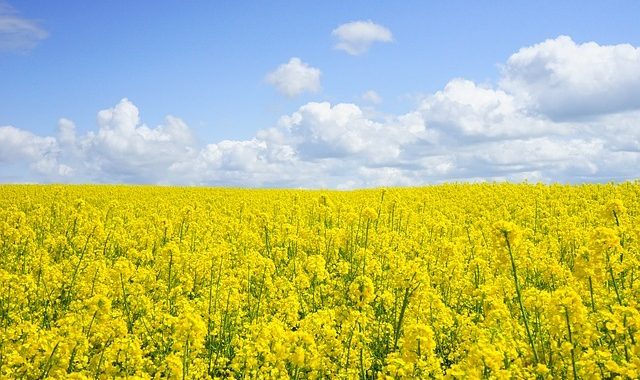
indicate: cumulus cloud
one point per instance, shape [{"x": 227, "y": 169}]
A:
[
  {"x": 16, "y": 32},
  {"x": 465, "y": 109},
  {"x": 122, "y": 149},
  {"x": 320, "y": 130},
  {"x": 357, "y": 37},
  {"x": 561, "y": 79},
  {"x": 41, "y": 153},
  {"x": 464, "y": 132},
  {"x": 126, "y": 149},
  {"x": 295, "y": 77}
]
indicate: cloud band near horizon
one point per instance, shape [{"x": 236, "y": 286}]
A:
[{"x": 561, "y": 112}]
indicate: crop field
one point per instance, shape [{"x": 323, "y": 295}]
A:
[{"x": 449, "y": 281}]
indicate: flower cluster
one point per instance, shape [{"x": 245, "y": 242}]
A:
[{"x": 448, "y": 281}]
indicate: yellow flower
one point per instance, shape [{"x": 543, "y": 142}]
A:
[
  {"x": 615, "y": 209},
  {"x": 297, "y": 357},
  {"x": 361, "y": 290},
  {"x": 604, "y": 239},
  {"x": 506, "y": 233},
  {"x": 160, "y": 282},
  {"x": 370, "y": 213}
]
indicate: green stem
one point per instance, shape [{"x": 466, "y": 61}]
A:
[
  {"x": 573, "y": 349},
  {"x": 593, "y": 303},
  {"x": 522, "y": 311},
  {"x": 127, "y": 309}
]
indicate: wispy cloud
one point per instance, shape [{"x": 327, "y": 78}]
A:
[
  {"x": 371, "y": 97},
  {"x": 16, "y": 32}
]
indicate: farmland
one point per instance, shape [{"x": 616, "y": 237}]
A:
[{"x": 457, "y": 280}]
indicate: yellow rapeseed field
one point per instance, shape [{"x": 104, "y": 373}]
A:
[{"x": 448, "y": 281}]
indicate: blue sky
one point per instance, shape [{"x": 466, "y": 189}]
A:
[{"x": 208, "y": 65}]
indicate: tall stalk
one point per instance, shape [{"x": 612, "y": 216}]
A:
[
  {"x": 519, "y": 296},
  {"x": 573, "y": 349}
]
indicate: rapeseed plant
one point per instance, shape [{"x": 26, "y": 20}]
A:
[{"x": 448, "y": 281}]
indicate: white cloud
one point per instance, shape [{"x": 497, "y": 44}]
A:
[
  {"x": 467, "y": 109},
  {"x": 16, "y": 32},
  {"x": 464, "y": 132},
  {"x": 19, "y": 144},
  {"x": 66, "y": 132},
  {"x": 371, "y": 97},
  {"x": 357, "y": 37},
  {"x": 542, "y": 154},
  {"x": 564, "y": 80},
  {"x": 252, "y": 162},
  {"x": 320, "y": 130},
  {"x": 40, "y": 153},
  {"x": 295, "y": 77},
  {"x": 124, "y": 148}
]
